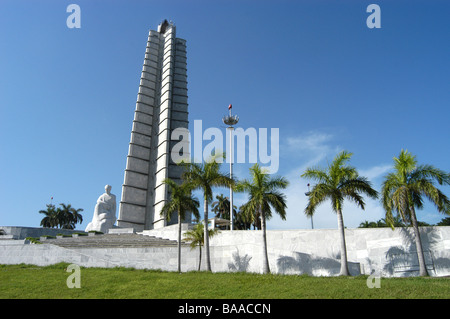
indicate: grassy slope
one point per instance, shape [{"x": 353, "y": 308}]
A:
[{"x": 27, "y": 281}]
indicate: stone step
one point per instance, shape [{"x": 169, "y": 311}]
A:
[{"x": 112, "y": 240}]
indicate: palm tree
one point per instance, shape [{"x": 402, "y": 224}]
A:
[
  {"x": 65, "y": 217},
  {"x": 444, "y": 222},
  {"x": 69, "y": 216},
  {"x": 366, "y": 224},
  {"x": 402, "y": 192},
  {"x": 50, "y": 220},
  {"x": 221, "y": 208},
  {"x": 204, "y": 177},
  {"x": 263, "y": 195},
  {"x": 396, "y": 222},
  {"x": 252, "y": 217},
  {"x": 76, "y": 217},
  {"x": 197, "y": 238},
  {"x": 338, "y": 182},
  {"x": 181, "y": 201},
  {"x": 243, "y": 220}
]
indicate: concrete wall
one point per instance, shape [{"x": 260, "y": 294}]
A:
[
  {"x": 139, "y": 258},
  {"x": 390, "y": 253},
  {"x": 23, "y": 232},
  {"x": 315, "y": 252}
]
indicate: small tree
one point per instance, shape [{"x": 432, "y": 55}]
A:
[
  {"x": 197, "y": 238},
  {"x": 181, "y": 201},
  {"x": 444, "y": 222}
]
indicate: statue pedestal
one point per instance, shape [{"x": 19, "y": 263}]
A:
[{"x": 120, "y": 230}]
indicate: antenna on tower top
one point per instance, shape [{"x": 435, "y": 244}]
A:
[{"x": 163, "y": 26}]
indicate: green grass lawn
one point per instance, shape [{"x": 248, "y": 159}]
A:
[{"x": 28, "y": 281}]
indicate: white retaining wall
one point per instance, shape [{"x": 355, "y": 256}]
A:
[
  {"x": 390, "y": 253},
  {"x": 315, "y": 252}
]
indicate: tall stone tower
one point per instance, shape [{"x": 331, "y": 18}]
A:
[{"x": 161, "y": 107}]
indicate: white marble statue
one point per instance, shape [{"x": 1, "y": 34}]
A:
[{"x": 104, "y": 213}]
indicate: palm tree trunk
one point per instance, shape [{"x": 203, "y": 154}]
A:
[
  {"x": 422, "y": 265},
  {"x": 266, "y": 268},
  {"x": 205, "y": 219},
  {"x": 179, "y": 243},
  {"x": 344, "y": 264},
  {"x": 199, "y": 256}
]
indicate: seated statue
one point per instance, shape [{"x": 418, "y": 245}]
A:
[{"x": 104, "y": 213}]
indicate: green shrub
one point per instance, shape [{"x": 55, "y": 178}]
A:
[{"x": 33, "y": 240}]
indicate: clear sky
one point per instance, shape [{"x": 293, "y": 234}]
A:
[{"x": 313, "y": 69}]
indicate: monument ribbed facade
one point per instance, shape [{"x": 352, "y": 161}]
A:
[{"x": 161, "y": 107}]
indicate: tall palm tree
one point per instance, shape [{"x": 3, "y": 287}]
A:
[
  {"x": 204, "y": 177},
  {"x": 76, "y": 216},
  {"x": 253, "y": 217},
  {"x": 65, "y": 217},
  {"x": 50, "y": 220},
  {"x": 337, "y": 182},
  {"x": 181, "y": 201},
  {"x": 69, "y": 216},
  {"x": 221, "y": 208},
  {"x": 263, "y": 194},
  {"x": 197, "y": 238},
  {"x": 243, "y": 220},
  {"x": 402, "y": 192}
]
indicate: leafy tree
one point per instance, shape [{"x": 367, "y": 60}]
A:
[
  {"x": 243, "y": 220},
  {"x": 444, "y": 222},
  {"x": 337, "y": 182},
  {"x": 181, "y": 201},
  {"x": 397, "y": 221},
  {"x": 221, "y": 207},
  {"x": 403, "y": 191},
  {"x": 263, "y": 196},
  {"x": 204, "y": 177},
  {"x": 366, "y": 224},
  {"x": 69, "y": 216},
  {"x": 51, "y": 216},
  {"x": 197, "y": 238},
  {"x": 65, "y": 217}
]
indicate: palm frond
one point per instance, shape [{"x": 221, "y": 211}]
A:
[
  {"x": 316, "y": 174},
  {"x": 319, "y": 194},
  {"x": 430, "y": 172},
  {"x": 402, "y": 191}
]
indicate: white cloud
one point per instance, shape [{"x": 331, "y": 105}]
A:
[
  {"x": 312, "y": 149},
  {"x": 310, "y": 141},
  {"x": 375, "y": 172}
]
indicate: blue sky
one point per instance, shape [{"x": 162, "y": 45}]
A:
[{"x": 313, "y": 69}]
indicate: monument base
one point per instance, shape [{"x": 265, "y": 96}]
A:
[{"x": 120, "y": 230}]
